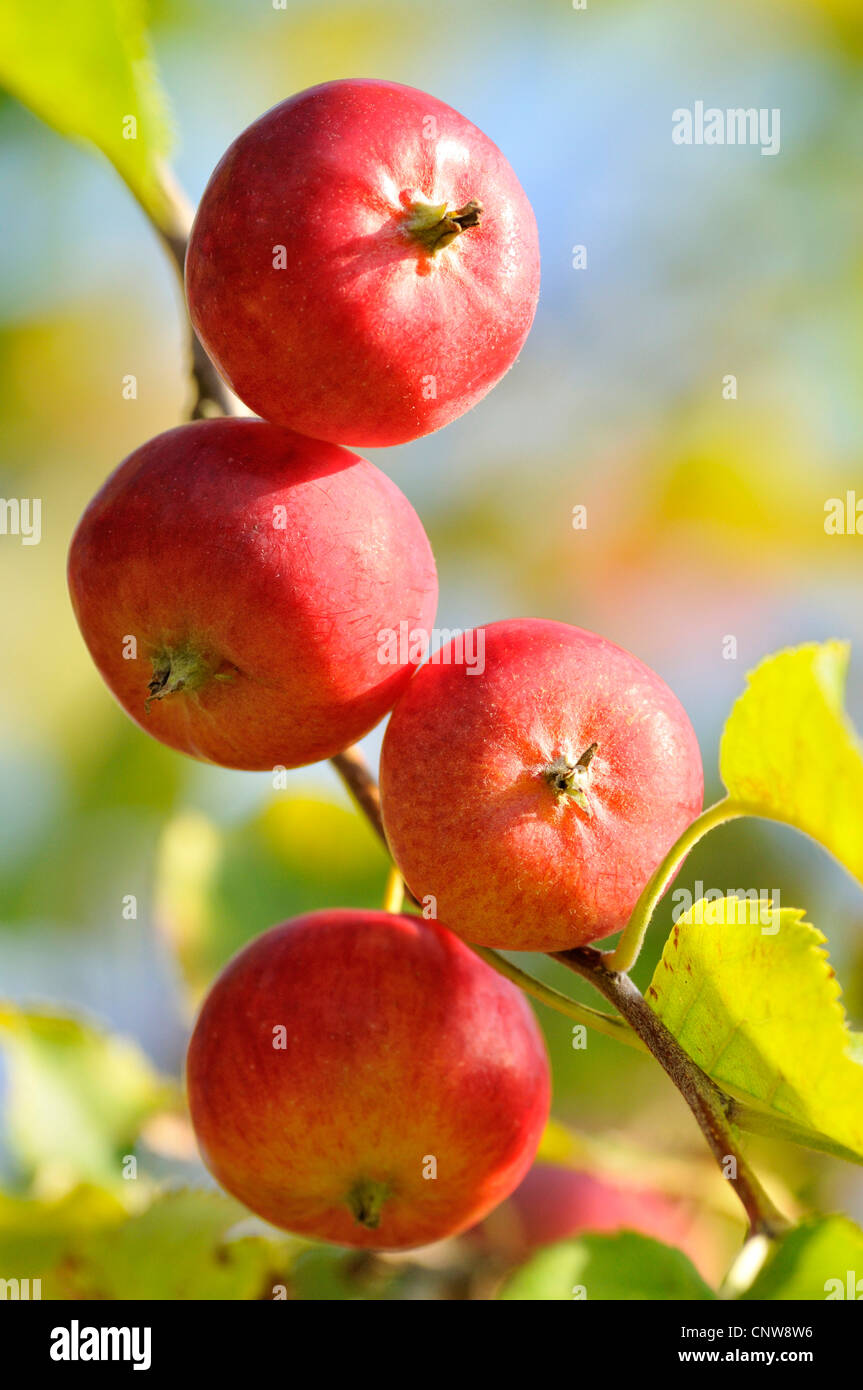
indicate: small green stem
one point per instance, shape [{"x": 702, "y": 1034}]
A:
[
  {"x": 609, "y": 1024},
  {"x": 625, "y": 953},
  {"x": 394, "y": 894}
]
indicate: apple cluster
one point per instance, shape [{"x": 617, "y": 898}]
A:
[{"x": 363, "y": 268}]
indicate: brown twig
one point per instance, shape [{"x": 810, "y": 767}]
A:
[
  {"x": 711, "y": 1107},
  {"x": 354, "y": 772},
  {"x": 212, "y": 397}
]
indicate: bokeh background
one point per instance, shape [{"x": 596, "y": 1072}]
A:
[{"x": 705, "y": 520}]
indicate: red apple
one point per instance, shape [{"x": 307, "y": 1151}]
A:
[
  {"x": 556, "y": 1203},
  {"x": 364, "y": 1078},
  {"x": 364, "y": 265},
  {"x": 534, "y": 798},
  {"x": 232, "y": 579}
]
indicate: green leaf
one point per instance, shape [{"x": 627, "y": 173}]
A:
[
  {"x": 36, "y": 1237},
  {"x": 185, "y": 1245},
  {"x": 788, "y": 751},
  {"x": 217, "y": 889},
  {"x": 328, "y": 1274},
  {"x": 86, "y": 68},
  {"x": 750, "y": 996},
  {"x": 77, "y": 1097},
  {"x": 820, "y": 1259},
  {"x": 623, "y": 1266},
  {"x": 182, "y": 1247}
]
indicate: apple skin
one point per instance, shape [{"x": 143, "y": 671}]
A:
[
  {"x": 400, "y": 1043},
  {"x": 556, "y": 1203},
  {"x": 472, "y": 818},
  {"x": 343, "y": 341},
  {"x": 265, "y": 635}
]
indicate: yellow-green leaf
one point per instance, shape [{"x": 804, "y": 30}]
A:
[
  {"x": 187, "y": 1245},
  {"x": 789, "y": 752},
  {"x": 184, "y": 1245},
  {"x": 750, "y": 996},
  {"x": 217, "y": 888},
  {"x": 86, "y": 68},
  {"x": 822, "y": 1259},
  {"x": 76, "y": 1097},
  {"x": 624, "y": 1266}
]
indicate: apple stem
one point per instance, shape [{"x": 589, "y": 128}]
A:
[
  {"x": 394, "y": 894},
  {"x": 354, "y": 772},
  {"x": 173, "y": 224},
  {"x": 434, "y": 226},
  {"x": 711, "y": 1107},
  {"x": 611, "y": 1025},
  {"x": 631, "y": 939},
  {"x": 366, "y": 1199}
]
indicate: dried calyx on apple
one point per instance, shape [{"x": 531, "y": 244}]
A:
[
  {"x": 572, "y": 779},
  {"x": 434, "y": 227}
]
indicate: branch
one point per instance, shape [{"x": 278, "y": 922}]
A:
[
  {"x": 212, "y": 396},
  {"x": 354, "y": 772},
  {"x": 609, "y": 1024},
  {"x": 710, "y": 1106}
]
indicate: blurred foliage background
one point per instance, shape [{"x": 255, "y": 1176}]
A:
[{"x": 705, "y": 520}]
